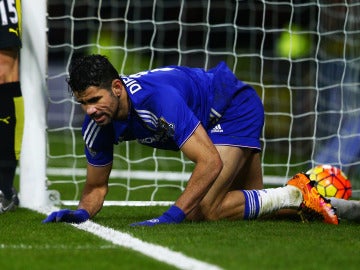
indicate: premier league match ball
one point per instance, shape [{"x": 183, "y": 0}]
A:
[{"x": 330, "y": 181}]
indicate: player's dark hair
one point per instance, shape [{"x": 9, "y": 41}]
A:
[{"x": 91, "y": 70}]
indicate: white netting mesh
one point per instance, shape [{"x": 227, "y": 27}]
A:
[{"x": 301, "y": 56}]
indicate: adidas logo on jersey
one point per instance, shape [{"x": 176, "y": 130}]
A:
[{"x": 217, "y": 129}]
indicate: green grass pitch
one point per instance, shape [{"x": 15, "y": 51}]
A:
[{"x": 26, "y": 243}]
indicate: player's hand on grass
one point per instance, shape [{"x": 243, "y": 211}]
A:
[
  {"x": 173, "y": 215},
  {"x": 66, "y": 215}
]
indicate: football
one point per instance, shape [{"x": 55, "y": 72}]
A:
[{"x": 330, "y": 181}]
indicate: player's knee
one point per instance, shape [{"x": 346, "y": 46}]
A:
[{"x": 9, "y": 66}]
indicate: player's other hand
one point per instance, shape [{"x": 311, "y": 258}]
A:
[
  {"x": 173, "y": 215},
  {"x": 66, "y": 215}
]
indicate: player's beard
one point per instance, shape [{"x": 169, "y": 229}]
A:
[{"x": 117, "y": 110}]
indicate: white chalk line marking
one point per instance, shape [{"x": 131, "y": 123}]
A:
[{"x": 160, "y": 253}]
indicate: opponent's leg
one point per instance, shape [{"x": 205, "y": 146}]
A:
[
  {"x": 9, "y": 65},
  {"x": 346, "y": 209},
  {"x": 11, "y": 107},
  {"x": 11, "y": 130}
]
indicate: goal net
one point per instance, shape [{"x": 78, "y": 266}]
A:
[{"x": 302, "y": 57}]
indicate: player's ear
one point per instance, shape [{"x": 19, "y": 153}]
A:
[{"x": 116, "y": 87}]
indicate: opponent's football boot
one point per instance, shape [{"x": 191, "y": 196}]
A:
[
  {"x": 8, "y": 205},
  {"x": 314, "y": 205}
]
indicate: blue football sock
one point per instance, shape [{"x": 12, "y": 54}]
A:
[{"x": 252, "y": 204}]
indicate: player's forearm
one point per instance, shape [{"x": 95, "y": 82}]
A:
[
  {"x": 95, "y": 189},
  {"x": 92, "y": 199},
  {"x": 203, "y": 176},
  {"x": 199, "y": 183}
]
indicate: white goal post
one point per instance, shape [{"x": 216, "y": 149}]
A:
[
  {"x": 33, "y": 69},
  {"x": 302, "y": 57}
]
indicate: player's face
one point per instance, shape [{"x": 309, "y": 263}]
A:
[{"x": 100, "y": 104}]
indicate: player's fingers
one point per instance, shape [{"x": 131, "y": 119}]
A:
[
  {"x": 150, "y": 222},
  {"x": 56, "y": 216},
  {"x": 61, "y": 215},
  {"x": 50, "y": 218}
]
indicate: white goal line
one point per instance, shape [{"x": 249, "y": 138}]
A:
[
  {"x": 150, "y": 175},
  {"x": 126, "y": 240}
]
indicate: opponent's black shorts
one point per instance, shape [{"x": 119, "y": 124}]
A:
[{"x": 10, "y": 24}]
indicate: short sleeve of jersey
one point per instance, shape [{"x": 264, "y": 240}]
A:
[
  {"x": 175, "y": 117},
  {"x": 98, "y": 142},
  {"x": 163, "y": 105}
]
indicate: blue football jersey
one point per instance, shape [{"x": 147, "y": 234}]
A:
[{"x": 167, "y": 105}]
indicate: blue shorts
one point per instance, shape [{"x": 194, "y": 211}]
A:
[{"x": 242, "y": 122}]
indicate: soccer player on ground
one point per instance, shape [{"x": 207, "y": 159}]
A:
[
  {"x": 212, "y": 117},
  {"x": 11, "y": 102}
]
